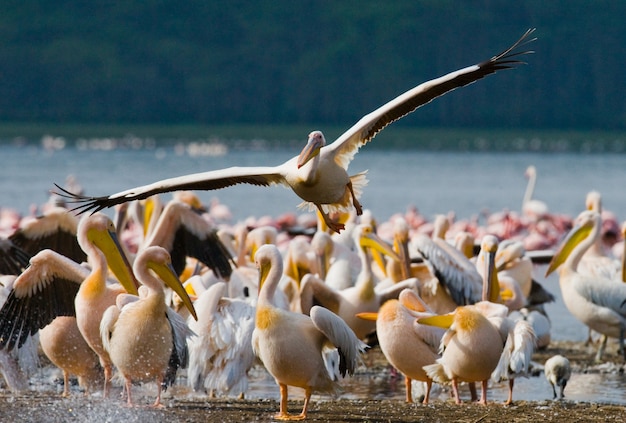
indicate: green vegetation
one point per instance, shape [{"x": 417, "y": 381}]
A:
[{"x": 271, "y": 62}]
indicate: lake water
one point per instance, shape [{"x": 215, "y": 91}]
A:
[{"x": 434, "y": 182}]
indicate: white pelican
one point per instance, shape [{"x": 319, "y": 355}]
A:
[
  {"x": 518, "y": 336},
  {"x": 64, "y": 345},
  {"x": 597, "y": 261},
  {"x": 471, "y": 347},
  {"x": 142, "y": 334},
  {"x": 470, "y": 351},
  {"x": 318, "y": 174},
  {"x": 597, "y": 302},
  {"x": 406, "y": 344},
  {"x": 54, "y": 285},
  {"x": 558, "y": 371},
  {"x": 290, "y": 344},
  {"x": 220, "y": 355}
]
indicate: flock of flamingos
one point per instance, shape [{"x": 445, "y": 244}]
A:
[{"x": 175, "y": 288}]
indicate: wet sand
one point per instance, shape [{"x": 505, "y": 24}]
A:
[{"x": 45, "y": 403}]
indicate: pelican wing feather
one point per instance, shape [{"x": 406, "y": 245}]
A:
[
  {"x": 212, "y": 180},
  {"x": 45, "y": 290},
  {"x": 347, "y": 145},
  {"x": 341, "y": 336}
]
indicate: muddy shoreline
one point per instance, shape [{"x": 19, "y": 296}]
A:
[{"x": 46, "y": 405}]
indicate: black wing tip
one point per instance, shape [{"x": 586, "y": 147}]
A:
[{"x": 84, "y": 202}]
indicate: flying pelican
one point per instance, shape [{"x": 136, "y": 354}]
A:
[
  {"x": 599, "y": 303},
  {"x": 54, "y": 285},
  {"x": 220, "y": 355},
  {"x": 290, "y": 344},
  {"x": 141, "y": 334},
  {"x": 558, "y": 371},
  {"x": 318, "y": 174},
  {"x": 406, "y": 344}
]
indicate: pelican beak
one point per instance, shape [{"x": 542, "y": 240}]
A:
[
  {"x": 310, "y": 150},
  {"x": 401, "y": 244},
  {"x": 370, "y": 240},
  {"x": 492, "y": 292},
  {"x": 441, "y": 321},
  {"x": 168, "y": 276},
  {"x": 264, "y": 270},
  {"x": 109, "y": 244},
  {"x": 368, "y": 316},
  {"x": 575, "y": 236}
]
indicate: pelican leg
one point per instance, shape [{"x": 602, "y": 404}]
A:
[
  {"x": 307, "y": 398},
  {"x": 483, "y": 393},
  {"x": 601, "y": 349},
  {"x": 621, "y": 343},
  {"x": 429, "y": 385},
  {"x": 157, "y": 401},
  {"x": 455, "y": 390},
  {"x": 66, "y": 384},
  {"x": 355, "y": 202},
  {"x": 129, "y": 385},
  {"x": 409, "y": 389},
  {"x": 509, "y": 400},
  {"x": 332, "y": 225},
  {"x": 107, "y": 380},
  {"x": 473, "y": 394}
]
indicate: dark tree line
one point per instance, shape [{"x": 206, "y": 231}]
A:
[{"x": 286, "y": 62}]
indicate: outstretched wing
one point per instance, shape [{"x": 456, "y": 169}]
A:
[
  {"x": 365, "y": 129},
  {"x": 207, "y": 181},
  {"x": 45, "y": 290}
]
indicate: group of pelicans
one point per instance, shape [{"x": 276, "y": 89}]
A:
[
  {"x": 215, "y": 299},
  {"x": 218, "y": 299}
]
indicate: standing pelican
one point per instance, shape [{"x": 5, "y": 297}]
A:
[
  {"x": 290, "y": 344},
  {"x": 599, "y": 303},
  {"x": 406, "y": 344},
  {"x": 142, "y": 335},
  {"x": 318, "y": 174},
  {"x": 54, "y": 285}
]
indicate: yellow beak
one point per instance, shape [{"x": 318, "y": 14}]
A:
[{"x": 169, "y": 277}]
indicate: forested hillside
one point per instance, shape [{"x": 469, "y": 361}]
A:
[{"x": 291, "y": 62}]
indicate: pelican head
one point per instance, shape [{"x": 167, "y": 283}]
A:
[
  {"x": 585, "y": 223},
  {"x": 368, "y": 239},
  {"x": 99, "y": 230},
  {"x": 312, "y": 148},
  {"x": 159, "y": 261}
]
